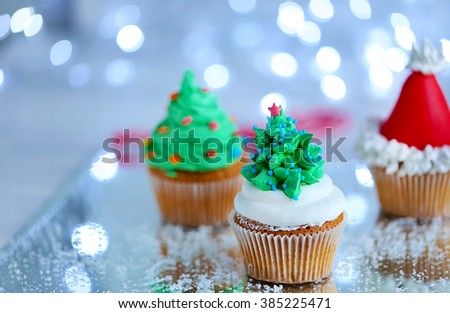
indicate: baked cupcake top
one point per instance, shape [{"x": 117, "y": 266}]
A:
[
  {"x": 415, "y": 139},
  {"x": 286, "y": 185},
  {"x": 196, "y": 135}
]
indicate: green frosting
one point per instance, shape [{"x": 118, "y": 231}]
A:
[
  {"x": 286, "y": 158},
  {"x": 196, "y": 134}
]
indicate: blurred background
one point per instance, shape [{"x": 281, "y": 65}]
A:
[{"x": 73, "y": 72}]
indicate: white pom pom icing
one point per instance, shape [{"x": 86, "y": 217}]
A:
[
  {"x": 427, "y": 58},
  {"x": 398, "y": 157}
]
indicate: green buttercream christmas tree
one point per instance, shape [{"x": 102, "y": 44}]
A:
[
  {"x": 196, "y": 135},
  {"x": 286, "y": 158}
]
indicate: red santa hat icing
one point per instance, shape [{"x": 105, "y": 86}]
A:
[{"x": 421, "y": 115}]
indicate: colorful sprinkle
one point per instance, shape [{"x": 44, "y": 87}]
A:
[
  {"x": 174, "y": 96},
  {"x": 163, "y": 130},
  {"x": 151, "y": 155},
  {"x": 253, "y": 170},
  {"x": 292, "y": 165},
  {"x": 274, "y": 187},
  {"x": 303, "y": 177},
  {"x": 269, "y": 157},
  {"x": 275, "y": 144},
  {"x": 270, "y": 173},
  {"x": 187, "y": 120},
  {"x": 267, "y": 125},
  {"x": 252, "y": 155},
  {"x": 284, "y": 186},
  {"x": 286, "y": 173},
  {"x": 295, "y": 198},
  {"x": 295, "y": 121},
  {"x": 289, "y": 118},
  {"x": 211, "y": 153},
  {"x": 254, "y": 127},
  {"x": 174, "y": 159},
  {"x": 270, "y": 182},
  {"x": 213, "y": 125}
]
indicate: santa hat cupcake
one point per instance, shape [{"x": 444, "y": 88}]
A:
[{"x": 409, "y": 153}]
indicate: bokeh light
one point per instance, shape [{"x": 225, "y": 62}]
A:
[
  {"x": 310, "y": 34},
  {"x": 373, "y": 52},
  {"x": 333, "y": 87},
  {"x": 271, "y": 98},
  {"x": 90, "y": 239},
  {"x": 290, "y": 18},
  {"x": 5, "y": 22},
  {"x": 2, "y": 77},
  {"x": 130, "y": 38},
  {"x": 398, "y": 19},
  {"x": 363, "y": 175},
  {"x": 380, "y": 76},
  {"x": 321, "y": 9},
  {"x": 120, "y": 72},
  {"x": 395, "y": 59},
  {"x": 33, "y": 25},
  {"x": 19, "y": 18},
  {"x": 283, "y": 64},
  {"x": 61, "y": 52},
  {"x": 446, "y": 49},
  {"x": 104, "y": 167},
  {"x": 328, "y": 59},
  {"x": 404, "y": 37},
  {"x": 242, "y": 6},
  {"x": 216, "y": 76},
  {"x": 361, "y": 9},
  {"x": 77, "y": 280}
]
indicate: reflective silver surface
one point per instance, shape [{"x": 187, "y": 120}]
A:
[{"x": 104, "y": 233}]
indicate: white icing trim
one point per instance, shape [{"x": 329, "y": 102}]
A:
[
  {"x": 398, "y": 157},
  {"x": 427, "y": 58},
  {"x": 317, "y": 203}
]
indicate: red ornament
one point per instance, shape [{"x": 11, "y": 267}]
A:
[
  {"x": 174, "y": 96},
  {"x": 275, "y": 110},
  {"x": 163, "y": 130},
  {"x": 213, "y": 125},
  {"x": 151, "y": 155},
  {"x": 421, "y": 116},
  {"x": 175, "y": 159},
  {"x": 187, "y": 120},
  {"x": 211, "y": 153}
]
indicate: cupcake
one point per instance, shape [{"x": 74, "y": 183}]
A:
[
  {"x": 289, "y": 216},
  {"x": 193, "y": 157},
  {"x": 409, "y": 153}
]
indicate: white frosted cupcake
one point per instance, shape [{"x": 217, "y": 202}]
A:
[{"x": 289, "y": 216}]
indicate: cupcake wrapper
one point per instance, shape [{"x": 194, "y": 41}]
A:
[
  {"x": 288, "y": 259},
  {"x": 420, "y": 196},
  {"x": 195, "y": 204}
]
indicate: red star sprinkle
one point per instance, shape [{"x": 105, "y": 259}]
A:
[
  {"x": 163, "y": 130},
  {"x": 275, "y": 110},
  {"x": 174, "y": 96}
]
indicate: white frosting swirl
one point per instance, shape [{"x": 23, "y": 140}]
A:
[
  {"x": 317, "y": 203},
  {"x": 398, "y": 157},
  {"x": 427, "y": 58}
]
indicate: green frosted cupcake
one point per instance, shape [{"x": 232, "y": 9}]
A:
[{"x": 193, "y": 158}]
